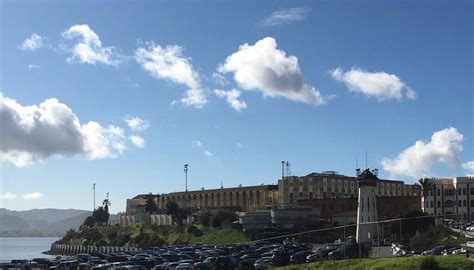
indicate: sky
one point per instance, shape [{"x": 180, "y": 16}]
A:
[{"x": 124, "y": 93}]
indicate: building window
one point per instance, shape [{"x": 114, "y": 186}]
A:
[
  {"x": 439, "y": 204},
  {"x": 464, "y": 216},
  {"x": 472, "y": 191},
  {"x": 459, "y": 203},
  {"x": 311, "y": 195},
  {"x": 459, "y": 191},
  {"x": 431, "y": 204},
  {"x": 438, "y": 192},
  {"x": 464, "y": 191},
  {"x": 464, "y": 203},
  {"x": 472, "y": 203}
]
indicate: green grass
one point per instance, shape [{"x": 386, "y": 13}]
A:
[
  {"x": 404, "y": 263},
  {"x": 213, "y": 236}
]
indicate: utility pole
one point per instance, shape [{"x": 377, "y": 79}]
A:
[
  {"x": 93, "y": 187},
  {"x": 186, "y": 180}
]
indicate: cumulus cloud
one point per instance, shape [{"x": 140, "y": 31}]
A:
[
  {"x": 170, "y": 64},
  {"x": 262, "y": 67},
  {"x": 32, "y": 196},
  {"x": 420, "y": 159},
  {"x": 89, "y": 48},
  {"x": 232, "y": 98},
  {"x": 136, "y": 123},
  {"x": 8, "y": 196},
  {"x": 33, "y": 133},
  {"x": 137, "y": 141},
  {"x": 208, "y": 154},
  {"x": 380, "y": 85},
  {"x": 285, "y": 16},
  {"x": 32, "y": 43},
  {"x": 469, "y": 166}
]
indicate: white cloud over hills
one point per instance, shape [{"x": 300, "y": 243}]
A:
[
  {"x": 421, "y": 158},
  {"x": 264, "y": 68},
  {"x": 380, "y": 85},
  {"x": 33, "y": 133}
]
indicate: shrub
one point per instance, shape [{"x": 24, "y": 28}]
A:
[
  {"x": 112, "y": 235},
  {"x": 100, "y": 243},
  {"x": 121, "y": 240},
  {"x": 194, "y": 230},
  {"x": 429, "y": 263}
]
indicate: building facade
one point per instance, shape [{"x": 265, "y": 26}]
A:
[
  {"x": 249, "y": 198},
  {"x": 330, "y": 184},
  {"x": 450, "y": 198}
]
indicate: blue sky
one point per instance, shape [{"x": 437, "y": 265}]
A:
[{"x": 318, "y": 83}]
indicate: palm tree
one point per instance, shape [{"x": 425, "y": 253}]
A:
[
  {"x": 106, "y": 203},
  {"x": 425, "y": 185}
]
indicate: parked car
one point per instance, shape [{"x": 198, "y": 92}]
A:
[
  {"x": 262, "y": 263},
  {"x": 300, "y": 257},
  {"x": 350, "y": 251}
]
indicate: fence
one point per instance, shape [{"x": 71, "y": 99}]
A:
[{"x": 77, "y": 249}]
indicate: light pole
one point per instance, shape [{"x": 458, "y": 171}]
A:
[
  {"x": 93, "y": 187},
  {"x": 282, "y": 170},
  {"x": 186, "y": 190}
]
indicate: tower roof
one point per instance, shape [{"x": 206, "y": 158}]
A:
[{"x": 367, "y": 178}]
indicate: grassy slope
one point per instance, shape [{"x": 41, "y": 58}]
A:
[
  {"x": 405, "y": 263},
  {"x": 171, "y": 235}
]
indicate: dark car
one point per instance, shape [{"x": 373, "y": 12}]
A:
[
  {"x": 280, "y": 258},
  {"x": 224, "y": 263},
  {"x": 351, "y": 251},
  {"x": 300, "y": 257},
  {"x": 247, "y": 264}
]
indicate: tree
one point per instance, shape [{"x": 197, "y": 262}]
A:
[
  {"x": 425, "y": 185},
  {"x": 101, "y": 215},
  {"x": 223, "y": 217},
  {"x": 176, "y": 213},
  {"x": 89, "y": 222},
  {"x": 150, "y": 206}
]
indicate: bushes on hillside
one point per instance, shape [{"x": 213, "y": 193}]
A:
[
  {"x": 223, "y": 217},
  {"x": 194, "y": 231}
]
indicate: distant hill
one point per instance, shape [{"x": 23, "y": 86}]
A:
[{"x": 40, "y": 222}]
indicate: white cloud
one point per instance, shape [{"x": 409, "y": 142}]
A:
[
  {"x": 232, "y": 98},
  {"x": 32, "y": 196},
  {"x": 285, "y": 16},
  {"x": 32, "y": 66},
  {"x": 33, "y": 133},
  {"x": 137, "y": 141},
  {"x": 196, "y": 144},
  {"x": 168, "y": 63},
  {"x": 420, "y": 159},
  {"x": 380, "y": 85},
  {"x": 239, "y": 145},
  {"x": 469, "y": 166},
  {"x": 262, "y": 67},
  {"x": 32, "y": 43},
  {"x": 219, "y": 79},
  {"x": 8, "y": 196},
  {"x": 199, "y": 145},
  {"x": 136, "y": 123},
  {"x": 89, "y": 48}
]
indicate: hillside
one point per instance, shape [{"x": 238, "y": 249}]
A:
[
  {"x": 40, "y": 222},
  {"x": 148, "y": 236}
]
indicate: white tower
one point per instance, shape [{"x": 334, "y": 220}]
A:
[{"x": 367, "y": 206}]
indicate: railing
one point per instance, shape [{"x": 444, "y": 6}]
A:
[{"x": 64, "y": 249}]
